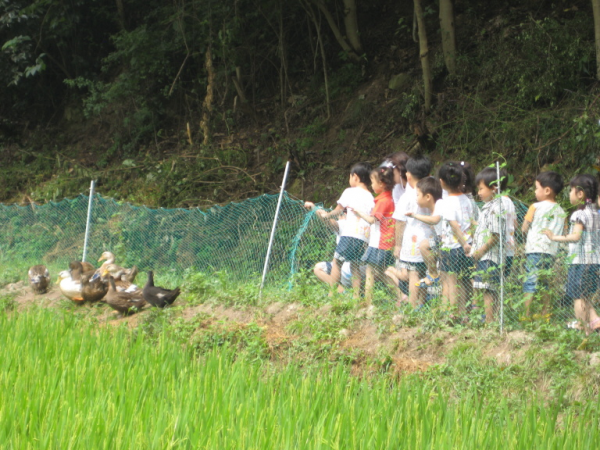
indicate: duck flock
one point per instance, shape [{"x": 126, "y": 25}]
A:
[{"x": 110, "y": 284}]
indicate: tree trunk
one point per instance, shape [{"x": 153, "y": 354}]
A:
[
  {"x": 317, "y": 24},
  {"x": 351, "y": 24},
  {"x": 596, "y": 8},
  {"x": 448, "y": 35},
  {"x": 207, "y": 106},
  {"x": 336, "y": 31},
  {"x": 424, "y": 54},
  {"x": 121, "y": 11}
]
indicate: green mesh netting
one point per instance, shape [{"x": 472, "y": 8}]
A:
[{"x": 233, "y": 238}]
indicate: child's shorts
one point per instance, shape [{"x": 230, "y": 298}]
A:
[
  {"x": 419, "y": 267},
  {"x": 350, "y": 249},
  {"x": 582, "y": 281},
  {"x": 508, "y": 263},
  {"x": 455, "y": 261},
  {"x": 486, "y": 275},
  {"x": 534, "y": 263},
  {"x": 378, "y": 257}
]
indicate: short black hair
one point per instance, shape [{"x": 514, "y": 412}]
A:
[
  {"x": 418, "y": 166},
  {"x": 363, "y": 170},
  {"x": 589, "y": 185},
  {"x": 452, "y": 174},
  {"x": 489, "y": 177},
  {"x": 430, "y": 185},
  {"x": 551, "y": 180}
]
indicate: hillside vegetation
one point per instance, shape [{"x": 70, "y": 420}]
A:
[{"x": 199, "y": 102}]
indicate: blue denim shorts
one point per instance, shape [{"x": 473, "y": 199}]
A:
[
  {"x": 582, "y": 281},
  {"x": 486, "y": 275},
  {"x": 534, "y": 263},
  {"x": 378, "y": 257},
  {"x": 350, "y": 249}
]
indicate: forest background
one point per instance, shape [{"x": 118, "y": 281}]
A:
[{"x": 196, "y": 102}]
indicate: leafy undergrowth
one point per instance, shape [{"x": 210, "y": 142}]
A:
[{"x": 305, "y": 328}]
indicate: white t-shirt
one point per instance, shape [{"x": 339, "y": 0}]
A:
[
  {"x": 438, "y": 210},
  {"x": 508, "y": 209},
  {"x": 398, "y": 192},
  {"x": 460, "y": 208},
  {"x": 358, "y": 199},
  {"x": 544, "y": 215},
  {"x": 415, "y": 231}
]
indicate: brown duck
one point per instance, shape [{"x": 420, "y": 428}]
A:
[
  {"x": 92, "y": 288},
  {"x": 124, "y": 302},
  {"x": 157, "y": 296},
  {"x": 39, "y": 279}
]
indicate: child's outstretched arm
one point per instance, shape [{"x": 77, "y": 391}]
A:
[
  {"x": 366, "y": 217},
  {"x": 321, "y": 213},
  {"x": 575, "y": 236},
  {"x": 429, "y": 220}
]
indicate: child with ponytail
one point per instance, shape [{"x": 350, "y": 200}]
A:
[
  {"x": 584, "y": 251},
  {"x": 381, "y": 241}
]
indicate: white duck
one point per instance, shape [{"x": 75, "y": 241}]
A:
[{"x": 69, "y": 287}]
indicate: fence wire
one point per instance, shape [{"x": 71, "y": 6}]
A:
[{"x": 234, "y": 239}]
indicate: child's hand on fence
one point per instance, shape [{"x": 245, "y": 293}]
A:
[
  {"x": 322, "y": 213},
  {"x": 309, "y": 205},
  {"x": 467, "y": 248}
]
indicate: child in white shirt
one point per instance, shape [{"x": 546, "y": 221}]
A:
[
  {"x": 540, "y": 251},
  {"x": 354, "y": 237},
  {"x": 410, "y": 232}
]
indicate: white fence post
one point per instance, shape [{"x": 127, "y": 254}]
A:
[
  {"x": 285, "y": 174},
  {"x": 89, "y": 218},
  {"x": 502, "y": 238}
]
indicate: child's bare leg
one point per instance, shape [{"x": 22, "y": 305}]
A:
[
  {"x": 464, "y": 293},
  {"x": 452, "y": 288},
  {"x": 322, "y": 275},
  {"x": 416, "y": 295},
  {"x": 369, "y": 284},
  {"x": 336, "y": 275},
  {"x": 583, "y": 311},
  {"x": 356, "y": 278},
  {"x": 488, "y": 302},
  {"x": 528, "y": 300},
  {"x": 546, "y": 303},
  {"x": 392, "y": 277},
  {"x": 429, "y": 257}
]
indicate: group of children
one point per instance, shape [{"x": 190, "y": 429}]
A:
[{"x": 422, "y": 231}]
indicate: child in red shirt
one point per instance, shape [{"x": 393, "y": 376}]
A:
[{"x": 381, "y": 240}]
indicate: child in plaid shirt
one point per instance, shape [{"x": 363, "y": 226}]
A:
[
  {"x": 486, "y": 240},
  {"x": 584, "y": 251}
]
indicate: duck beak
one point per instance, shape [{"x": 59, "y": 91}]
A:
[{"x": 102, "y": 258}]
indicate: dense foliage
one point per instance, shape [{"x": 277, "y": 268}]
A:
[{"x": 246, "y": 84}]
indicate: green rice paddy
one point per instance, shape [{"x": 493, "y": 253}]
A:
[{"x": 68, "y": 383}]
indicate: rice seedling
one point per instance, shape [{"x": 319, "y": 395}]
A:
[{"x": 65, "y": 383}]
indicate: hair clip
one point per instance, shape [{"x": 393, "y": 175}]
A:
[
  {"x": 388, "y": 163},
  {"x": 588, "y": 200},
  {"x": 462, "y": 163}
]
